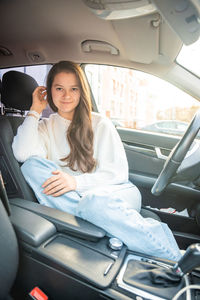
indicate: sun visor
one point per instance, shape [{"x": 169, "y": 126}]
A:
[{"x": 141, "y": 41}]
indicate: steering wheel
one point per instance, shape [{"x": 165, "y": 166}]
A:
[{"x": 177, "y": 156}]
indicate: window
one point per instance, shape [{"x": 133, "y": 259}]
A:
[
  {"x": 137, "y": 100},
  {"x": 189, "y": 57}
]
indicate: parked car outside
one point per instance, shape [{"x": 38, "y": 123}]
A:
[{"x": 167, "y": 126}]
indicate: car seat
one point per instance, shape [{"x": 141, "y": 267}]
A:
[
  {"x": 16, "y": 96},
  {"x": 9, "y": 257},
  {"x": 17, "y": 89}
]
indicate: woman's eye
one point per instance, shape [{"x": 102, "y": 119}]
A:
[
  {"x": 74, "y": 89},
  {"x": 58, "y": 89}
]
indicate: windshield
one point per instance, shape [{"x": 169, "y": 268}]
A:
[{"x": 189, "y": 57}]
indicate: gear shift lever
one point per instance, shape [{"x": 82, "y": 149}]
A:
[{"x": 189, "y": 261}]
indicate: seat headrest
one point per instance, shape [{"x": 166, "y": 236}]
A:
[{"x": 17, "y": 89}]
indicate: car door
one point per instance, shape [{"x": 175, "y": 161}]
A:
[{"x": 135, "y": 101}]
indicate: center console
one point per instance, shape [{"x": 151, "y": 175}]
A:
[
  {"x": 69, "y": 258},
  {"x": 148, "y": 278}
]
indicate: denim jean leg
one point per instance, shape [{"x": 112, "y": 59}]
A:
[
  {"x": 128, "y": 193},
  {"x": 36, "y": 170},
  {"x": 144, "y": 235}
]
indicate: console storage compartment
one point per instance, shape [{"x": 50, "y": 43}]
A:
[
  {"x": 43, "y": 246},
  {"x": 91, "y": 263}
]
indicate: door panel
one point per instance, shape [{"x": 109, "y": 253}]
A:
[
  {"x": 146, "y": 151},
  {"x": 145, "y": 165}
]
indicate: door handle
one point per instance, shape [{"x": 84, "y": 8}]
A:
[{"x": 159, "y": 154}]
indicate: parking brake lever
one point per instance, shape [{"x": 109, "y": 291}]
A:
[{"x": 189, "y": 261}]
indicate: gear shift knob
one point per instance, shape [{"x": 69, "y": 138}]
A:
[{"x": 189, "y": 261}]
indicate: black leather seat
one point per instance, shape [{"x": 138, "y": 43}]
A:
[
  {"x": 16, "y": 95},
  {"x": 9, "y": 257},
  {"x": 17, "y": 91}
]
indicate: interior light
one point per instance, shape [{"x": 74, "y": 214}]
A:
[{"x": 120, "y": 9}]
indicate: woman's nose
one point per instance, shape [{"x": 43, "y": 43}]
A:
[{"x": 66, "y": 94}]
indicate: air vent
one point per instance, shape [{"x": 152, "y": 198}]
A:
[{"x": 5, "y": 51}]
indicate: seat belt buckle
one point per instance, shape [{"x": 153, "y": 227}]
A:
[{"x": 37, "y": 294}]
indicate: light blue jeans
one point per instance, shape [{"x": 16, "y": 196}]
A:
[{"x": 114, "y": 208}]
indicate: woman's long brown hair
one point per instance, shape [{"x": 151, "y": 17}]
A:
[{"x": 79, "y": 133}]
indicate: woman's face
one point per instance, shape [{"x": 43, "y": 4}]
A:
[{"x": 66, "y": 94}]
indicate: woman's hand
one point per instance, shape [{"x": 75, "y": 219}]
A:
[
  {"x": 59, "y": 184},
  {"x": 39, "y": 97}
]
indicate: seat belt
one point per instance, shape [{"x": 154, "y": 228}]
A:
[{"x": 4, "y": 196}]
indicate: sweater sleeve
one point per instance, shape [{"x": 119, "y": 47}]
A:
[
  {"x": 112, "y": 165},
  {"x": 30, "y": 140}
]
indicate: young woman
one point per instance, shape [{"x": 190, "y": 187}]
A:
[{"x": 75, "y": 161}]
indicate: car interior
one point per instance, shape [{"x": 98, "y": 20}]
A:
[{"x": 50, "y": 254}]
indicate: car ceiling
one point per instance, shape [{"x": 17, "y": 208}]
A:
[
  {"x": 56, "y": 30},
  {"x": 46, "y": 31}
]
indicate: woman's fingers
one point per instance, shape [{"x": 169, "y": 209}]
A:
[
  {"x": 59, "y": 184},
  {"x": 56, "y": 189},
  {"x": 60, "y": 192},
  {"x": 56, "y": 172},
  {"x": 39, "y": 89},
  {"x": 52, "y": 185},
  {"x": 39, "y": 93},
  {"x": 39, "y": 102},
  {"x": 50, "y": 180}
]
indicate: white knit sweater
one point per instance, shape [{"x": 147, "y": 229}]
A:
[{"x": 47, "y": 138}]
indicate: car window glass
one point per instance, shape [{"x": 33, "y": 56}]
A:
[
  {"x": 189, "y": 57},
  {"x": 141, "y": 101}
]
